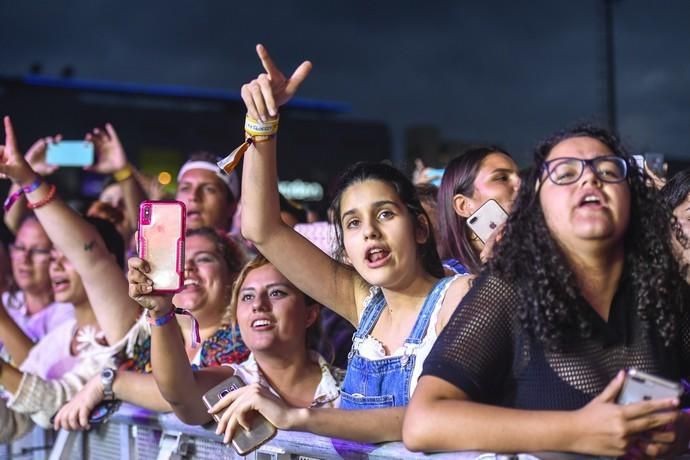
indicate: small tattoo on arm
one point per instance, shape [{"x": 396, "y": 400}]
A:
[{"x": 89, "y": 246}]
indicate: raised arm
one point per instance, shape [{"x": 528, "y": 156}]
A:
[
  {"x": 112, "y": 159},
  {"x": 36, "y": 157},
  {"x": 181, "y": 387},
  {"x": 304, "y": 264},
  {"x": 103, "y": 279}
]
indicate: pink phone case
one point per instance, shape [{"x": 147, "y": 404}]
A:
[{"x": 160, "y": 242}]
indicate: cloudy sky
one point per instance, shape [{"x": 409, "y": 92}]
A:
[{"x": 493, "y": 71}]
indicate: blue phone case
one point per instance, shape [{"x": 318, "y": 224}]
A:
[{"x": 70, "y": 153}]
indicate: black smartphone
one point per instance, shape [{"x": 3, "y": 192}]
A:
[
  {"x": 103, "y": 411},
  {"x": 655, "y": 162},
  {"x": 641, "y": 386},
  {"x": 261, "y": 430}
]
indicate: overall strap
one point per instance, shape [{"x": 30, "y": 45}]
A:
[
  {"x": 422, "y": 323},
  {"x": 373, "y": 308},
  {"x": 372, "y": 311}
]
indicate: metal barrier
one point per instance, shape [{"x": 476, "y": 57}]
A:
[{"x": 134, "y": 433}]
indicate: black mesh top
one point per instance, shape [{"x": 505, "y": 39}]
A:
[{"x": 485, "y": 352}]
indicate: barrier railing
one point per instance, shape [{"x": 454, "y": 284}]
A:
[{"x": 134, "y": 433}]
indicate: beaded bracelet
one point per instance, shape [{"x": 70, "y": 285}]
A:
[
  {"x": 47, "y": 199},
  {"x": 165, "y": 319}
]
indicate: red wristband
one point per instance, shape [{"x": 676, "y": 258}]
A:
[{"x": 47, "y": 199}]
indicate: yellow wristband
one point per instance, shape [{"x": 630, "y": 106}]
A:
[
  {"x": 259, "y": 128},
  {"x": 123, "y": 174}
]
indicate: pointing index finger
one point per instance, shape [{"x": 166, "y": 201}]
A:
[
  {"x": 10, "y": 139},
  {"x": 266, "y": 61}
]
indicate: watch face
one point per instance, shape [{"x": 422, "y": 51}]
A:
[{"x": 108, "y": 374}]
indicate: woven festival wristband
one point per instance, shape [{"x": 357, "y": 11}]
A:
[
  {"x": 255, "y": 132},
  {"x": 165, "y": 319},
  {"x": 11, "y": 199},
  {"x": 259, "y": 128},
  {"x": 161, "y": 320}
]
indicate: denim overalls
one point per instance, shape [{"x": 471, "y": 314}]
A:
[{"x": 385, "y": 382}]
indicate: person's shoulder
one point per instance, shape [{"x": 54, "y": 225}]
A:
[
  {"x": 489, "y": 292},
  {"x": 458, "y": 286}
]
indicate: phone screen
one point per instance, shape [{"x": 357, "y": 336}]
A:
[{"x": 70, "y": 153}]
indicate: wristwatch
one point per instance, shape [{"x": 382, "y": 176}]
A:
[{"x": 107, "y": 378}]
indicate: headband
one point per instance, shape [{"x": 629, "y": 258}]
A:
[{"x": 230, "y": 180}]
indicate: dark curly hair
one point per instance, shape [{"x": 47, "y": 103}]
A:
[
  {"x": 674, "y": 193},
  {"x": 552, "y": 310},
  {"x": 363, "y": 171}
]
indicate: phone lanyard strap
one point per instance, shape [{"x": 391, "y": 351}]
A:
[
  {"x": 23, "y": 190},
  {"x": 165, "y": 319},
  {"x": 196, "y": 335}
]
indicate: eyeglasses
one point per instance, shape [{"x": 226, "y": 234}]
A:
[
  {"x": 36, "y": 254},
  {"x": 564, "y": 171}
]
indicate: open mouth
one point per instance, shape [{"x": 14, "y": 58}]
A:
[
  {"x": 590, "y": 201},
  {"x": 193, "y": 214},
  {"x": 60, "y": 284},
  {"x": 262, "y": 324},
  {"x": 377, "y": 256},
  {"x": 190, "y": 284}
]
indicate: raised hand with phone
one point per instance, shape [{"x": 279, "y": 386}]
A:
[
  {"x": 111, "y": 159},
  {"x": 82, "y": 244},
  {"x": 86, "y": 271}
]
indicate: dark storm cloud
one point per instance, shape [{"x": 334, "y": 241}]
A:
[{"x": 497, "y": 71}]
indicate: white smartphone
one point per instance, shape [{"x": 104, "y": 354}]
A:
[
  {"x": 641, "y": 386},
  {"x": 484, "y": 221}
]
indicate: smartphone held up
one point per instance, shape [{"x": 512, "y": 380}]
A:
[
  {"x": 485, "y": 220},
  {"x": 161, "y": 242},
  {"x": 70, "y": 153}
]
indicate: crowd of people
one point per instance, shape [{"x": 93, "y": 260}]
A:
[{"x": 516, "y": 342}]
